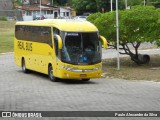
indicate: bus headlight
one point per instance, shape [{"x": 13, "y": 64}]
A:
[
  {"x": 66, "y": 68},
  {"x": 80, "y": 70}
]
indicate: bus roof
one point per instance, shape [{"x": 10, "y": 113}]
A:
[{"x": 63, "y": 24}]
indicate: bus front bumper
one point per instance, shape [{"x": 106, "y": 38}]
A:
[{"x": 80, "y": 75}]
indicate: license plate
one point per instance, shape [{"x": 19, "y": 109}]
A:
[{"x": 83, "y": 75}]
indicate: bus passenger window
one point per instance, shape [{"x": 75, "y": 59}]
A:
[
  {"x": 56, "y": 31},
  {"x": 56, "y": 45}
]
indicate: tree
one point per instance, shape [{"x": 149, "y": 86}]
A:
[
  {"x": 82, "y": 6},
  {"x": 137, "y": 25},
  {"x": 152, "y": 2},
  {"x": 158, "y": 40},
  {"x": 58, "y": 2}
]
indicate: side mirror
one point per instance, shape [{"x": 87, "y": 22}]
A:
[
  {"x": 59, "y": 41},
  {"x": 104, "y": 42}
]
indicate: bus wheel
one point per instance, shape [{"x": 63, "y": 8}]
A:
[
  {"x": 86, "y": 79},
  {"x": 50, "y": 74},
  {"x": 24, "y": 69}
]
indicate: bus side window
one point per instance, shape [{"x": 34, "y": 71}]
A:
[
  {"x": 56, "y": 45},
  {"x": 56, "y": 31},
  {"x": 47, "y": 34},
  {"x": 19, "y": 31},
  {"x": 44, "y": 35}
]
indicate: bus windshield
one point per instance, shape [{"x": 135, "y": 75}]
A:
[{"x": 81, "y": 48}]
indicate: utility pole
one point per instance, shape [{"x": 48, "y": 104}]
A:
[
  {"x": 52, "y": 2},
  {"x": 40, "y": 8},
  {"x": 144, "y": 2},
  {"x": 111, "y": 5},
  {"x": 117, "y": 28},
  {"x": 126, "y": 4}
]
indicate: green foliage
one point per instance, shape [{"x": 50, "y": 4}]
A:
[
  {"x": 6, "y": 41},
  {"x": 3, "y": 18},
  {"x": 152, "y": 2},
  {"x": 84, "y": 6},
  {"x": 58, "y": 2},
  {"x": 94, "y": 16},
  {"x": 141, "y": 22},
  {"x": 158, "y": 40},
  {"x": 137, "y": 25},
  {"x": 134, "y": 2},
  {"x": 18, "y": 2},
  {"x": 6, "y": 36}
]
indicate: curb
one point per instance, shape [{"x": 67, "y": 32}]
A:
[{"x": 6, "y": 53}]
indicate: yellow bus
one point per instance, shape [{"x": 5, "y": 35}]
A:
[{"x": 65, "y": 49}]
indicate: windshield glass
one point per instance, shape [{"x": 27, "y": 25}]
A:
[{"x": 81, "y": 48}]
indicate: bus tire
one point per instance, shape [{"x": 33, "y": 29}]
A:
[
  {"x": 86, "y": 80},
  {"x": 50, "y": 74},
  {"x": 24, "y": 69}
]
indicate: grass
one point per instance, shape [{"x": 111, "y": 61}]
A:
[
  {"x": 131, "y": 71},
  {"x": 6, "y": 36}
]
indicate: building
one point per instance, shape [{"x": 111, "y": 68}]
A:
[
  {"x": 32, "y": 12},
  {"x": 32, "y": 9}
]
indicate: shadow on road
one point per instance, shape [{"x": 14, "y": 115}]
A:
[
  {"x": 62, "y": 81},
  {"x": 75, "y": 81}
]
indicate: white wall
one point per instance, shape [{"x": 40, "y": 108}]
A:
[
  {"x": 63, "y": 12},
  {"x": 27, "y": 18}
]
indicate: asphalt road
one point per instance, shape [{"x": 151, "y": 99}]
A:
[
  {"x": 112, "y": 53},
  {"x": 34, "y": 92}
]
